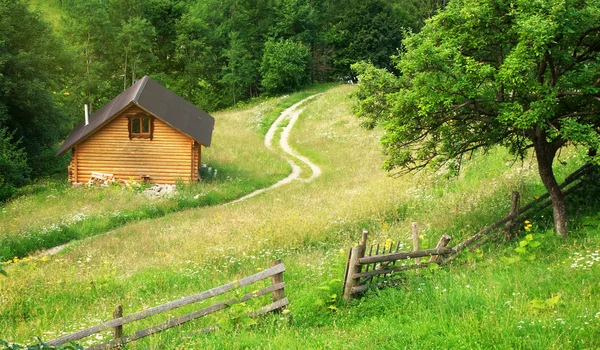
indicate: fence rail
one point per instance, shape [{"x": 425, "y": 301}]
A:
[
  {"x": 277, "y": 289},
  {"x": 379, "y": 267}
]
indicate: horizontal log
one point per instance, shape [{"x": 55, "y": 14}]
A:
[
  {"x": 133, "y": 152},
  {"x": 281, "y": 303},
  {"x": 159, "y": 165},
  {"x": 404, "y": 255},
  {"x": 130, "y": 145},
  {"x": 153, "y": 179},
  {"x": 170, "y": 306},
  {"x": 183, "y": 171},
  {"x": 107, "y": 137},
  {"x": 177, "y": 321},
  {"x": 464, "y": 244}
]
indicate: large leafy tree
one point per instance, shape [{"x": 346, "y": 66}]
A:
[
  {"x": 284, "y": 65},
  {"x": 519, "y": 73},
  {"x": 31, "y": 68}
]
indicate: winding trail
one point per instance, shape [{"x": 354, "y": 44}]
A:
[{"x": 293, "y": 113}]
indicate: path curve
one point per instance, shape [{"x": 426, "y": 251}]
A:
[{"x": 293, "y": 113}]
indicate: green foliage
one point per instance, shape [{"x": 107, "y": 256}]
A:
[
  {"x": 540, "y": 305},
  {"x": 527, "y": 246},
  {"x": 284, "y": 65},
  {"x": 367, "y": 31},
  {"x": 458, "y": 92},
  {"x": 484, "y": 73},
  {"x": 237, "y": 315},
  {"x": 32, "y": 62},
  {"x": 329, "y": 296},
  {"x": 14, "y": 169}
]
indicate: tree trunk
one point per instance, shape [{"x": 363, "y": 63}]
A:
[{"x": 545, "y": 152}]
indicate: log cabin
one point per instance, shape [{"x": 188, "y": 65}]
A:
[{"x": 147, "y": 133}]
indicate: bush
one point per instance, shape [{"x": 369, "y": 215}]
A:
[
  {"x": 284, "y": 65},
  {"x": 14, "y": 170}
]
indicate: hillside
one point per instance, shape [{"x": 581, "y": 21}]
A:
[{"x": 481, "y": 302}]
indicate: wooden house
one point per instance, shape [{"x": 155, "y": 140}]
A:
[{"x": 146, "y": 133}]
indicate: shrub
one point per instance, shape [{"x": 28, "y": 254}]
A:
[
  {"x": 284, "y": 65},
  {"x": 14, "y": 170}
]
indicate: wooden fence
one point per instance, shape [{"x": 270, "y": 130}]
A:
[
  {"x": 275, "y": 272},
  {"x": 380, "y": 268}
]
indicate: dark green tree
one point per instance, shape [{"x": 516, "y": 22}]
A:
[
  {"x": 241, "y": 71},
  {"x": 136, "y": 37},
  {"x": 365, "y": 31},
  {"x": 31, "y": 68},
  {"x": 14, "y": 170},
  {"x": 483, "y": 73},
  {"x": 93, "y": 35},
  {"x": 284, "y": 65}
]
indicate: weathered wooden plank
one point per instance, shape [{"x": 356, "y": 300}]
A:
[
  {"x": 383, "y": 271},
  {"x": 404, "y": 255},
  {"x": 415, "y": 239},
  {"x": 354, "y": 268},
  {"x": 444, "y": 240},
  {"x": 278, "y": 294},
  {"x": 177, "y": 321},
  {"x": 170, "y": 306},
  {"x": 118, "y": 313},
  {"x": 479, "y": 234}
]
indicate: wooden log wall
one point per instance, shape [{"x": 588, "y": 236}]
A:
[{"x": 170, "y": 155}]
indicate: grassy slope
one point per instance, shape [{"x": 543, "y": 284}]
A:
[
  {"x": 478, "y": 304},
  {"x": 31, "y": 221}
]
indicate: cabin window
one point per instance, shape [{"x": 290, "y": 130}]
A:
[{"x": 140, "y": 126}]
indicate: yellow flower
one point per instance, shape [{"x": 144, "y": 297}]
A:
[
  {"x": 67, "y": 93},
  {"x": 44, "y": 258}
]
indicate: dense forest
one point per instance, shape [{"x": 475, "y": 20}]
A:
[{"x": 214, "y": 53}]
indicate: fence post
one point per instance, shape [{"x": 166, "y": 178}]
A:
[
  {"x": 277, "y": 278},
  {"x": 118, "y": 313},
  {"x": 441, "y": 243},
  {"x": 415, "y": 238},
  {"x": 354, "y": 266},
  {"x": 514, "y": 209}
]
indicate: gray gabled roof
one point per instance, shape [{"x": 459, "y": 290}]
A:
[{"x": 156, "y": 100}]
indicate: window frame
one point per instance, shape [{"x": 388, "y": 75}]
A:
[{"x": 139, "y": 118}]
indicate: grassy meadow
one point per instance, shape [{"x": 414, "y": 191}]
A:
[
  {"x": 50, "y": 213},
  {"x": 481, "y": 301}
]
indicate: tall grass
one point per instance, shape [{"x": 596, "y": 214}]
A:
[
  {"x": 51, "y": 212},
  {"x": 475, "y": 303}
]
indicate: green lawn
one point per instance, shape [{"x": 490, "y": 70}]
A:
[{"x": 480, "y": 302}]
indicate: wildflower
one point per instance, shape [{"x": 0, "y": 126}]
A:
[
  {"x": 67, "y": 93},
  {"x": 528, "y": 225},
  {"x": 388, "y": 243}
]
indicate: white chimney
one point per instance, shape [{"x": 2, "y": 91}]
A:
[{"x": 87, "y": 118}]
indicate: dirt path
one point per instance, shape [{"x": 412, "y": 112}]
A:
[{"x": 293, "y": 113}]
